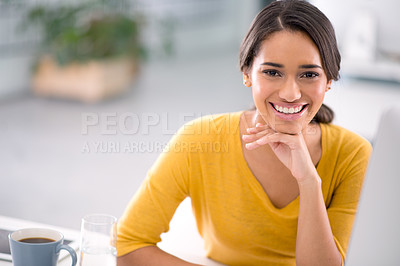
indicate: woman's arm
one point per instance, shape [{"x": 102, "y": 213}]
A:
[
  {"x": 150, "y": 211},
  {"x": 151, "y": 255},
  {"x": 315, "y": 244}
]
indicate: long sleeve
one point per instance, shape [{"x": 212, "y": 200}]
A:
[
  {"x": 350, "y": 160},
  {"x": 151, "y": 209}
]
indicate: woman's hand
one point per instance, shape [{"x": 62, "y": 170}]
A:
[{"x": 290, "y": 149}]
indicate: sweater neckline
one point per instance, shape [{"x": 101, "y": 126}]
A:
[{"x": 290, "y": 209}]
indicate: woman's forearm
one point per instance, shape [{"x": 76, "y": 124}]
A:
[
  {"x": 314, "y": 244},
  {"x": 151, "y": 255}
]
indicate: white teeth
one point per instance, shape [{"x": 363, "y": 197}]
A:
[{"x": 290, "y": 110}]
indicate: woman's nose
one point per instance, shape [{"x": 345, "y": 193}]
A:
[{"x": 290, "y": 91}]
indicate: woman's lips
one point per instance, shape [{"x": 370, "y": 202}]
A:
[{"x": 289, "y": 112}]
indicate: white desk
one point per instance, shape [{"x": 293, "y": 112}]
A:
[{"x": 195, "y": 256}]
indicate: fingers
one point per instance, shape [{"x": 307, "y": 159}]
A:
[
  {"x": 268, "y": 136},
  {"x": 292, "y": 141},
  {"x": 276, "y": 137},
  {"x": 252, "y": 145},
  {"x": 259, "y": 130},
  {"x": 259, "y": 127},
  {"x": 261, "y": 141},
  {"x": 255, "y": 136},
  {"x": 256, "y": 133}
]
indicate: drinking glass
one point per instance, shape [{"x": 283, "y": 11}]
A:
[{"x": 98, "y": 240}]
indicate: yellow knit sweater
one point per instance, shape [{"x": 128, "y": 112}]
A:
[{"x": 239, "y": 224}]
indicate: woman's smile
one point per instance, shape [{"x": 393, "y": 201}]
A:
[{"x": 288, "y": 111}]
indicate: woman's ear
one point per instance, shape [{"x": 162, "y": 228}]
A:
[
  {"x": 246, "y": 80},
  {"x": 328, "y": 85}
]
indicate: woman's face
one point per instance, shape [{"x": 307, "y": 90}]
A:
[{"x": 288, "y": 81}]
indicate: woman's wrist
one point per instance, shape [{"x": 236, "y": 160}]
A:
[{"x": 312, "y": 181}]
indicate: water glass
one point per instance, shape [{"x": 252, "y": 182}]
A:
[{"x": 98, "y": 240}]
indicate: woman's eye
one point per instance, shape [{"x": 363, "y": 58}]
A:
[
  {"x": 310, "y": 75},
  {"x": 272, "y": 73}
]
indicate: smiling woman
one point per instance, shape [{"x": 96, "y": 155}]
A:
[
  {"x": 285, "y": 191},
  {"x": 321, "y": 34},
  {"x": 286, "y": 75}
]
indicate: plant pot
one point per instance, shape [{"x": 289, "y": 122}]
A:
[{"x": 88, "y": 82}]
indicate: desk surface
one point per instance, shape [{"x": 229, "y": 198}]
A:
[{"x": 13, "y": 224}]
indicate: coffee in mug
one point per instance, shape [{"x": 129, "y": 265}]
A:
[
  {"x": 38, "y": 247},
  {"x": 37, "y": 240}
]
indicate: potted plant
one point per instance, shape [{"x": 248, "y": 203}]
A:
[{"x": 87, "y": 51}]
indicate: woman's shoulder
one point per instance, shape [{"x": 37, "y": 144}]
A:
[
  {"x": 213, "y": 124},
  {"x": 337, "y": 137},
  {"x": 207, "y": 133},
  {"x": 345, "y": 154}
]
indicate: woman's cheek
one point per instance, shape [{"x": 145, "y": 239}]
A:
[{"x": 259, "y": 95}]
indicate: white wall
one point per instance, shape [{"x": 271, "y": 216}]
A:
[{"x": 341, "y": 13}]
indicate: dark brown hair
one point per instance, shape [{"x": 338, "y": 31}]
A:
[{"x": 295, "y": 15}]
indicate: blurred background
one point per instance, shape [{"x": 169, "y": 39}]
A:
[
  {"x": 77, "y": 140},
  {"x": 58, "y": 149}
]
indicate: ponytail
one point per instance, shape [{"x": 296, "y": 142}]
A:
[{"x": 324, "y": 115}]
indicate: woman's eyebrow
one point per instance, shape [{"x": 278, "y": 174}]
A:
[
  {"x": 306, "y": 66},
  {"x": 310, "y": 66},
  {"x": 272, "y": 64}
]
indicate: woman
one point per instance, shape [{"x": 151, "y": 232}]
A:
[{"x": 284, "y": 191}]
